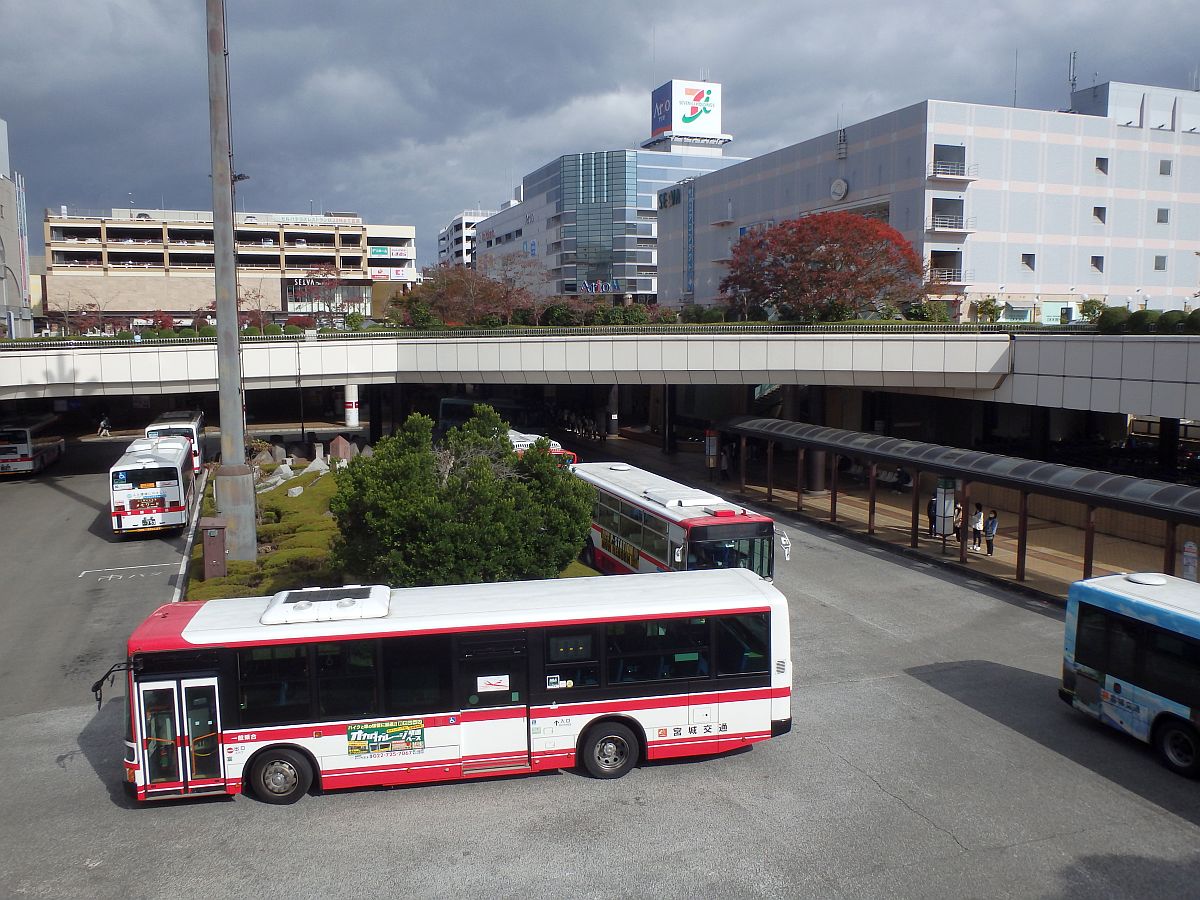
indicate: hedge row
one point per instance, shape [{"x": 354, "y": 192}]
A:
[{"x": 1119, "y": 320}]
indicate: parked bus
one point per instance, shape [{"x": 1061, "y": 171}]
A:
[
  {"x": 453, "y": 412},
  {"x": 643, "y": 522},
  {"x": 26, "y": 448},
  {"x": 151, "y": 485},
  {"x": 364, "y": 686},
  {"x": 1131, "y": 659},
  {"x": 522, "y": 442},
  {"x": 183, "y": 423}
]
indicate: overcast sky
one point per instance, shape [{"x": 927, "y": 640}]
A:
[{"x": 410, "y": 112}]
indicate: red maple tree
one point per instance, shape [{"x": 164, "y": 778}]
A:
[{"x": 825, "y": 267}]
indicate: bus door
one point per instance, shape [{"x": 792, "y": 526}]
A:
[
  {"x": 179, "y": 746},
  {"x": 492, "y": 686}
]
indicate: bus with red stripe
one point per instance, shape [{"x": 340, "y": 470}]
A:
[
  {"x": 522, "y": 442},
  {"x": 150, "y": 486},
  {"x": 25, "y": 448},
  {"x": 366, "y": 686},
  {"x": 643, "y": 522},
  {"x": 182, "y": 423}
]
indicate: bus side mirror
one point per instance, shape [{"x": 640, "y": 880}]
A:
[
  {"x": 678, "y": 554},
  {"x": 786, "y": 543}
]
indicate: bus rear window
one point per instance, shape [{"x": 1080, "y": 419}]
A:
[
  {"x": 130, "y": 479},
  {"x": 14, "y": 437}
]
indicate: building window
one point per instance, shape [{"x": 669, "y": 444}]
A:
[
  {"x": 1164, "y": 167},
  {"x": 1164, "y": 216},
  {"x": 1100, "y": 214},
  {"x": 1029, "y": 261},
  {"x": 1098, "y": 263},
  {"x": 1102, "y": 165},
  {"x": 1160, "y": 264}
]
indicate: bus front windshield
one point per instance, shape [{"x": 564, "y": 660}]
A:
[{"x": 743, "y": 546}]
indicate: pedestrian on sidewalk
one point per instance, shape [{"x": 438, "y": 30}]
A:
[
  {"x": 990, "y": 527},
  {"x": 725, "y": 454},
  {"x": 931, "y": 513},
  {"x": 103, "y": 430},
  {"x": 958, "y": 523},
  {"x": 977, "y": 528}
]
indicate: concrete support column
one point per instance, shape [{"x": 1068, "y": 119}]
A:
[
  {"x": 833, "y": 486},
  {"x": 966, "y": 522},
  {"x": 1168, "y": 445},
  {"x": 1022, "y": 534},
  {"x": 613, "y": 422},
  {"x": 770, "y": 471},
  {"x": 1169, "y": 547},
  {"x": 668, "y": 419},
  {"x": 872, "y": 482},
  {"x": 799, "y": 478},
  {"x": 375, "y": 405},
  {"x": 913, "y": 539},
  {"x": 351, "y": 404}
]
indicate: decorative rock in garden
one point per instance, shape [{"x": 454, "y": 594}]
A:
[
  {"x": 295, "y": 491},
  {"x": 284, "y": 472},
  {"x": 367, "y": 451},
  {"x": 278, "y": 452},
  {"x": 340, "y": 448},
  {"x": 317, "y": 465},
  {"x": 263, "y": 458}
]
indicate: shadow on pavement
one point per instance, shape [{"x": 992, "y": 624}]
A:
[
  {"x": 102, "y": 743},
  {"x": 1028, "y": 703},
  {"x": 1118, "y": 875}
]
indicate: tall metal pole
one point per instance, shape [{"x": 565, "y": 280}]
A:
[{"x": 234, "y": 485}]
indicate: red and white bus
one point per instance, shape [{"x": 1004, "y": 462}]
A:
[
  {"x": 522, "y": 442},
  {"x": 151, "y": 485},
  {"x": 26, "y": 448},
  {"x": 182, "y": 423},
  {"x": 643, "y": 522},
  {"x": 363, "y": 686}
]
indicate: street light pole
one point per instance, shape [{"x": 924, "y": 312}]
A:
[{"x": 234, "y": 484}]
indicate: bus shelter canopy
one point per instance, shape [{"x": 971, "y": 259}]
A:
[{"x": 1161, "y": 500}]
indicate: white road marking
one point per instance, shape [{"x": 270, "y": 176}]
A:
[{"x": 123, "y": 568}]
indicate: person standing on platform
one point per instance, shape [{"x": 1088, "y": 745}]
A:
[
  {"x": 958, "y": 523},
  {"x": 931, "y": 513},
  {"x": 977, "y": 528},
  {"x": 990, "y": 527}
]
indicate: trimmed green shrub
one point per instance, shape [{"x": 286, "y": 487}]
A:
[
  {"x": 187, "y": 332},
  {"x": 491, "y": 320},
  {"x": 636, "y": 315},
  {"x": 208, "y": 331},
  {"x": 273, "y": 329},
  {"x": 326, "y": 330},
  {"x": 1142, "y": 321},
  {"x": 148, "y": 334},
  {"x": 354, "y": 321},
  {"x": 292, "y": 329},
  {"x": 167, "y": 333},
  {"x": 1171, "y": 322},
  {"x": 712, "y": 315},
  {"x": 124, "y": 335},
  {"x": 251, "y": 331},
  {"x": 1192, "y": 324},
  {"x": 1113, "y": 320}
]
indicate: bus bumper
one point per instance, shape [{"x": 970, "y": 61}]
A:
[{"x": 781, "y": 726}]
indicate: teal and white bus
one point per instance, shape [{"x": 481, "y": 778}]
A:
[{"x": 1131, "y": 659}]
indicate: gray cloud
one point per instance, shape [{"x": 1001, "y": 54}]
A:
[{"x": 410, "y": 112}]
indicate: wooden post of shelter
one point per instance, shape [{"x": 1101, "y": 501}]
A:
[
  {"x": 833, "y": 486},
  {"x": 770, "y": 470},
  {"x": 799, "y": 478},
  {"x": 966, "y": 522},
  {"x": 1022, "y": 534},
  {"x": 1089, "y": 541},
  {"x": 872, "y": 473},
  {"x": 1169, "y": 547},
  {"x": 913, "y": 538},
  {"x": 742, "y": 465}
]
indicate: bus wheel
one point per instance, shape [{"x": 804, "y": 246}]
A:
[
  {"x": 280, "y": 776},
  {"x": 589, "y": 555},
  {"x": 609, "y": 750},
  {"x": 1179, "y": 746}
]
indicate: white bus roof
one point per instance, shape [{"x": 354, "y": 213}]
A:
[
  {"x": 525, "y": 441},
  {"x": 31, "y": 422},
  {"x": 466, "y": 607},
  {"x": 678, "y": 501},
  {"x": 177, "y": 417},
  {"x": 150, "y": 453},
  {"x": 1162, "y": 591}
]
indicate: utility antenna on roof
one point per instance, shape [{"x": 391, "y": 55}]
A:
[{"x": 1071, "y": 77}]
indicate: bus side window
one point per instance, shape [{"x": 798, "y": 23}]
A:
[
  {"x": 743, "y": 644},
  {"x": 273, "y": 685}
]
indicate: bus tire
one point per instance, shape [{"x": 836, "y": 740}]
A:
[
  {"x": 589, "y": 555},
  {"x": 1178, "y": 745},
  {"x": 280, "y": 776},
  {"x": 609, "y": 750}
]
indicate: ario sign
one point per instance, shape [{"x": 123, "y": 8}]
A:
[
  {"x": 689, "y": 108},
  {"x": 601, "y": 287}
]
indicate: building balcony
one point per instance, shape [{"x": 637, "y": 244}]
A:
[
  {"x": 942, "y": 170},
  {"x": 721, "y": 222},
  {"x": 942, "y": 222},
  {"x": 951, "y": 276}
]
